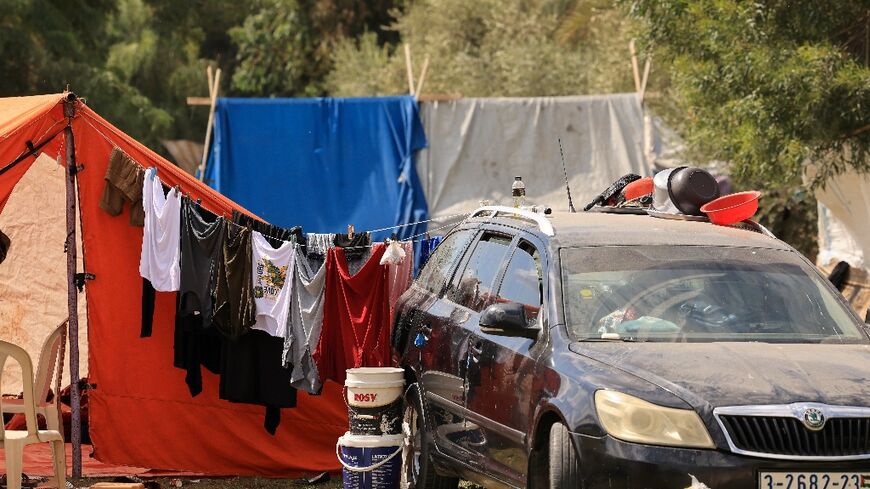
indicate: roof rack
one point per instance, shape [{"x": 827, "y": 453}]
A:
[{"x": 544, "y": 225}]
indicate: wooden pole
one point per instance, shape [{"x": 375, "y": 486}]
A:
[
  {"x": 646, "y": 68},
  {"x": 209, "y": 73},
  {"x": 72, "y": 291},
  {"x": 410, "y": 68},
  {"x": 419, "y": 89},
  {"x": 213, "y": 93},
  {"x": 634, "y": 68}
]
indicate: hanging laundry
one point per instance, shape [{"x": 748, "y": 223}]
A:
[
  {"x": 274, "y": 234},
  {"x": 356, "y": 330},
  {"x": 234, "y": 309},
  {"x": 355, "y": 246},
  {"x": 159, "y": 263},
  {"x": 252, "y": 373},
  {"x": 124, "y": 181},
  {"x": 5, "y": 242},
  {"x": 395, "y": 253},
  {"x": 272, "y": 282},
  {"x": 427, "y": 247},
  {"x": 400, "y": 275},
  {"x": 160, "y": 260},
  {"x": 196, "y": 342},
  {"x": 304, "y": 325},
  {"x": 319, "y": 244}
]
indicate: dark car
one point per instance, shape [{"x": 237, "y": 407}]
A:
[{"x": 596, "y": 350}]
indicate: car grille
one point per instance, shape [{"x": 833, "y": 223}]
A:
[{"x": 840, "y": 437}]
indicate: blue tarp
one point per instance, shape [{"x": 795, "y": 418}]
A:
[{"x": 321, "y": 163}]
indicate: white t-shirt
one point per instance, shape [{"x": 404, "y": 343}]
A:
[
  {"x": 273, "y": 272},
  {"x": 161, "y": 240}
]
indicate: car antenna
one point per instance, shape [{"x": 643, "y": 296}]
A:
[{"x": 567, "y": 187}]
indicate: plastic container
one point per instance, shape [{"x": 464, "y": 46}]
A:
[
  {"x": 384, "y": 420},
  {"x": 638, "y": 188},
  {"x": 370, "y": 462},
  {"x": 732, "y": 208},
  {"x": 371, "y": 387}
]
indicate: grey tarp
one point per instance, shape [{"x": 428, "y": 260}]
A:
[{"x": 478, "y": 145}]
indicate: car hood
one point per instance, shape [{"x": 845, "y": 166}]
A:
[{"x": 730, "y": 374}]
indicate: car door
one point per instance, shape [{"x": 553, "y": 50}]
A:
[
  {"x": 470, "y": 291},
  {"x": 432, "y": 342},
  {"x": 502, "y": 370}
]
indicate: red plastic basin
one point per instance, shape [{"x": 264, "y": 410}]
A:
[{"x": 732, "y": 208}]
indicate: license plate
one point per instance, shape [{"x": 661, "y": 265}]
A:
[{"x": 814, "y": 480}]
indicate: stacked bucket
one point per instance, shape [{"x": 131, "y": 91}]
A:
[{"x": 371, "y": 450}]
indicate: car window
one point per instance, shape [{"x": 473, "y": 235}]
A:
[
  {"x": 523, "y": 280},
  {"x": 474, "y": 288},
  {"x": 700, "y": 293},
  {"x": 437, "y": 271}
]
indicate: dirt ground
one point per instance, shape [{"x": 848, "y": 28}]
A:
[{"x": 239, "y": 482}]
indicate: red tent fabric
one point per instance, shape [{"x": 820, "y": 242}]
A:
[{"x": 141, "y": 413}]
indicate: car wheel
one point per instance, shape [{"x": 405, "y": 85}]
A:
[
  {"x": 564, "y": 464},
  {"x": 417, "y": 469}
]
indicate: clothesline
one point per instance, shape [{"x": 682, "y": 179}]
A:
[{"x": 419, "y": 222}]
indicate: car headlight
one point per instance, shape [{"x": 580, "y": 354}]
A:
[{"x": 631, "y": 419}]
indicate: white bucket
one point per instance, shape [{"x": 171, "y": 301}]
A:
[
  {"x": 372, "y": 387},
  {"x": 370, "y": 462}
]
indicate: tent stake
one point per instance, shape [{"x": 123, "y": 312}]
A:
[{"x": 72, "y": 292}]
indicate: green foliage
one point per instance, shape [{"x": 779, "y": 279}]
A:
[
  {"x": 134, "y": 61},
  {"x": 768, "y": 86},
  {"x": 285, "y": 47},
  {"x": 493, "y": 48}
]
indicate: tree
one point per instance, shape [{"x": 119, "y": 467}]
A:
[
  {"x": 284, "y": 48},
  {"x": 768, "y": 86},
  {"x": 493, "y": 48},
  {"x": 134, "y": 61}
]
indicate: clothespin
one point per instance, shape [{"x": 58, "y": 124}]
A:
[
  {"x": 394, "y": 237},
  {"x": 153, "y": 172},
  {"x": 428, "y": 238},
  {"x": 350, "y": 231}
]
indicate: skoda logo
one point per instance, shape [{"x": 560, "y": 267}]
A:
[{"x": 814, "y": 419}]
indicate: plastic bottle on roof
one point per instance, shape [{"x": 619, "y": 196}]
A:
[{"x": 518, "y": 190}]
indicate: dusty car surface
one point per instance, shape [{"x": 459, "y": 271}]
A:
[{"x": 596, "y": 350}]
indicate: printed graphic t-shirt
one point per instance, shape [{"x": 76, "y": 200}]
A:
[
  {"x": 161, "y": 250},
  {"x": 273, "y": 271}
]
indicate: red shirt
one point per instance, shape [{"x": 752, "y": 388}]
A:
[{"x": 356, "y": 316}]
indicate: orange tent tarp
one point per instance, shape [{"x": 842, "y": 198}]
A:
[{"x": 140, "y": 412}]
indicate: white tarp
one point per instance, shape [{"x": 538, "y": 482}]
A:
[
  {"x": 844, "y": 220},
  {"x": 478, "y": 145},
  {"x": 844, "y": 233},
  {"x": 33, "y": 279}
]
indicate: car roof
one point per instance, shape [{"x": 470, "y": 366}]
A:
[{"x": 607, "y": 229}]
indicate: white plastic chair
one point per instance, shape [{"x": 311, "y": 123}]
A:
[
  {"x": 13, "y": 441},
  {"x": 50, "y": 361}
]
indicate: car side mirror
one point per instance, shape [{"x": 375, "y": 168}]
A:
[{"x": 507, "y": 319}]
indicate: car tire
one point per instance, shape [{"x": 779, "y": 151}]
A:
[
  {"x": 564, "y": 464},
  {"x": 418, "y": 472}
]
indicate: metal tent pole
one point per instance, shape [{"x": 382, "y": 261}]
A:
[{"x": 72, "y": 291}]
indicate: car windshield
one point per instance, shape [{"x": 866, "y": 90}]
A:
[{"x": 698, "y": 293}]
